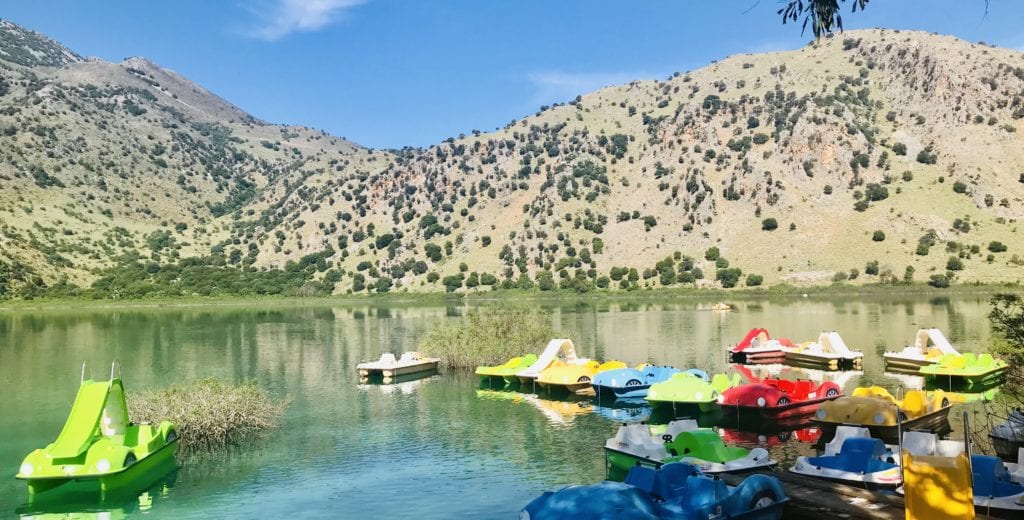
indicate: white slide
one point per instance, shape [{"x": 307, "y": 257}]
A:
[
  {"x": 556, "y": 347},
  {"x": 938, "y": 340},
  {"x": 837, "y": 346}
]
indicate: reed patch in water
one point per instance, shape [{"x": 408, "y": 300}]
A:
[
  {"x": 210, "y": 413},
  {"x": 488, "y": 336}
]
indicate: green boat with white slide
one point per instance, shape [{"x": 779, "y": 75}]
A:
[{"x": 98, "y": 445}]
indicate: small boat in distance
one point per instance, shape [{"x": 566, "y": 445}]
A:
[
  {"x": 633, "y": 382},
  {"x": 721, "y": 306},
  {"x": 779, "y": 398},
  {"x": 930, "y": 345},
  {"x": 388, "y": 366},
  {"x": 575, "y": 377}
]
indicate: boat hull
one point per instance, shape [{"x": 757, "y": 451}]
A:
[
  {"x": 621, "y": 391},
  {"x": 984, "y": 378},
  {"x": 757, "y": 358},
  {"x": 161, "y": 459},
  {"x": 902, "y": 364},
  {"x": 426, "y": 366},
  {"x": 935, "y": 422},
  {"x": 829, "y": 363},
  {"x": 789, "y": 411}
]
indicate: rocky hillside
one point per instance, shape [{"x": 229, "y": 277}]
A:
[{"x": 872, "y": 156}]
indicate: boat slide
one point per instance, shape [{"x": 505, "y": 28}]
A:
[
  {"x": 557, "y": 348},
  {"x": 920, "y": 353},
  {"x": 829, "y": 351}
]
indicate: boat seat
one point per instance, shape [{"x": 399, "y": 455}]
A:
[
  {"x": 409, "y": 357},
  {"x": 703, "y": 491},
  {"x": 858, "y": 455},
  {"x": 642, "y": 477},
  {"x": 919, "y": 443},
  {"x": 991, "y": 479},
  {"x": 986, "y": 361},
  {"x": 842, "y": 433},
  {"x": 914, "y": 404},
  {"x": 682, "y": 425},
  {"x": 387, "y": 358},
  {"x": 671, "y": 480}
]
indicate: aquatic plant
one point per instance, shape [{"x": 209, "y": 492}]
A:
[
  {"x": 210, "y": 413},
  {"x": 488, "y": 336}
]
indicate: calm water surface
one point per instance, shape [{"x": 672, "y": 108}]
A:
[{"x": 434, "y": 448}]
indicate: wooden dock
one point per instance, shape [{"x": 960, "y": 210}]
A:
[{"x": 813, "y": 498}]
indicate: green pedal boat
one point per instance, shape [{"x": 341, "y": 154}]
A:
[
  {"x": 680, "y": 441},
  {"x": 98, "y": 445},
  {"x": 983, "y": 369},
  {"x": 685, "y": 388},
  {"x": 506, "y": 372}
]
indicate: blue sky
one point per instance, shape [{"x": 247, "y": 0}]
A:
[{"x": 389, "y": 73}]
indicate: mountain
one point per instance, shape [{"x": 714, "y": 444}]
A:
[{"x": 876, "y": 155}]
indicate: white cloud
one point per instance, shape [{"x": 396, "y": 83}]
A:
[
  {"x": 563, "y": 86},
  {"x": 283, "y": 17}
]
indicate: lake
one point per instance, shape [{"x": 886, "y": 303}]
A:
[{"x": 434, "y": 448}]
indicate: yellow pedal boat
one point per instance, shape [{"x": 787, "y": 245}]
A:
[
  {"x": 877, "y": 410},
  {"x": 574, "y": 378}
]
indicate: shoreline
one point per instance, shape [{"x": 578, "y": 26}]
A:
[{"x": 504, "y": 295}]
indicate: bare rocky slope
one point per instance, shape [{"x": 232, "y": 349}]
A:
[{"x": 874, "y": 156}]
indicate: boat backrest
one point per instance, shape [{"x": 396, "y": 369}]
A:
[
  {"x": 915, "y": 403},
  {"x": 682, "y": 425},
  {"x": 919, "y": 443},
  {"x": 990, "y": 476},
  {"x": 387, "y": 358},
  {"x": 842, "y": 433},
  {"x": 671, "y": 480},
  {"x": 1020, "y": 458},
  {"x": 948, "y": 448},
  {"x": 411, "y": 356},
  {"x": 986, "y": 360},
  {"x": 702, "y": 491},
  {"x": 857, "y": 452},
  {"x": 115, "y": 412},
  {"x": 969, "y": 359},
  {"x": 642, "y": 477},
  {"x": 699, "y": 374}
]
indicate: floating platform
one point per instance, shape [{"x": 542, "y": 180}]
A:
[{"x": 389, "y": 367}]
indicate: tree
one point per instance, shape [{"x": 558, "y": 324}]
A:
[
  {"x": 822, "y": 15},
  {"x": 769, "y": 224},
  {"x": 899, "y": 148},
  {"x": 452, "y": 282},
  {"x": 878, "y": 235},
  {"x": 954, "y": 264},
  {"x": 996, "y": 246},
  {"x": 728, "y": 277},
  {"x": 939, "y": 280},
  {"x": 711, "y": 254},
  {"x": 754, "y": 280}
]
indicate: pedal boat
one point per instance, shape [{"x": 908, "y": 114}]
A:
[
  {"x": 559, "y": 352},
  {"x": 507, "y": 370},
  {"x": 991, "y": 485},
  {"x": 575, "y": 377},
  {"x": 633, "y": 382},
  {"x": 778, "y": 398},
  {"x": 1008, "y": 436},
  {"x": 687, "y": 389},
  {"x": 757, "y": 347},
  {"x": 829, "y": 352},
  {"x": 928, "y": 348},
  {"x": 99, "y": 447},
  {"x": 682, "y": 440},
  {"x": 877, "y": 410},
  {"x": 388, "y": 366},
  {"x": 675, "y": 491},
  {"x": 853, "y": 457},
  {"x": 980, "y": 370}
]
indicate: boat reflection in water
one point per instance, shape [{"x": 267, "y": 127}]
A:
[
  {"x": 623, "y": 409},
  {"x": 74, "y": 500},
  {"x": 560, "y": 411},
  {"x": 404, "y": 384}
]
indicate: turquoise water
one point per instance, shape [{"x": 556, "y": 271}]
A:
[{"x": 434, "y": 448}]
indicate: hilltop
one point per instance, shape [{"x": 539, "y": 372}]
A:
[{"x": 871, "y": 156}]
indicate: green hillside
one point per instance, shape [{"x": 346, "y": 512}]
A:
[{"x": 873, "y": 156}]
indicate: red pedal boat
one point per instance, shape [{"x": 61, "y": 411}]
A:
[
  {"x": 757, "y": 347},
  {"x": 779, "y": 398}
]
